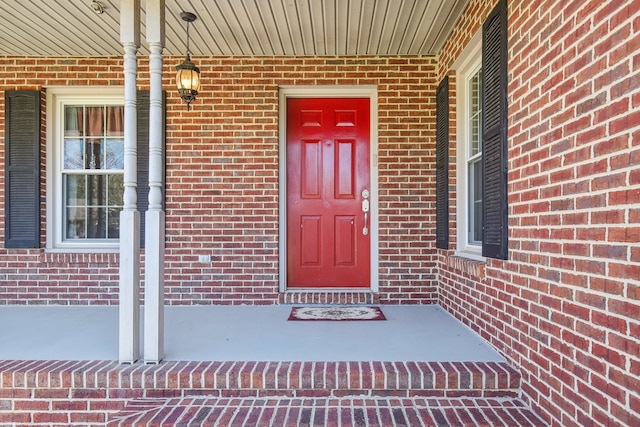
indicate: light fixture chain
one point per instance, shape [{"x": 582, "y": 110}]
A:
[{"x": 188, "y": 50}]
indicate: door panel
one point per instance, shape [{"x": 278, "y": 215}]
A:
[
  {"x": 311, "y": 170},
  {"x": 345, "y": 173},
  {"x": 345, "y": 240},
  {"x": 327, "y": 172},
  {"x": 310, "y": 237}
]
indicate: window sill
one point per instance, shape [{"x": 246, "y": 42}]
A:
[
  {"x": 83, "y": 250},
  {"x": 88, "y": 246},
  {"x": 468, "y": 264},
  {"x": 471, "y": 255}
]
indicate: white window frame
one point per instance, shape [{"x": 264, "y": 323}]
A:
[
  {"x": 466, "y": 66},
  {"x": 57, "y": 98}
]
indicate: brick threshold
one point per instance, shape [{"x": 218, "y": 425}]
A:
[{"x": 329, "y": 297}]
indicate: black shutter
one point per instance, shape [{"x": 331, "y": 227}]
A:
[
  {"x": 143, "y": 155},
  {"x": 442, "y": 165},
  {"x": 494, "y": 133},
  {"x": 22, "y": 169}
]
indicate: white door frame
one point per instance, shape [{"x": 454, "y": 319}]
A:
[{"x": 368, "y": 91}]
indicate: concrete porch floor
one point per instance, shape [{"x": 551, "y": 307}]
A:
[
  {"x": 250, "y": 366},
  {"x": 243, "y": 333}
]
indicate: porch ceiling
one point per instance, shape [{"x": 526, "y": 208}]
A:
[{"x": 235, "y": 27}]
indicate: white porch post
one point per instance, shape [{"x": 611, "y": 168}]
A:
[
  {"x": 129, "y": 317},
  {"x": 155, "y": 216}
]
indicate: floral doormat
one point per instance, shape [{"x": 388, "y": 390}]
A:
[{"x": 336, "y": 313}]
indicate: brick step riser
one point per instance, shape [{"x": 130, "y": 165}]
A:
[
  {"x": 315, "y": 393},
  {"x": 426, "y": 376},
  {"x": 329, "y": 298}
]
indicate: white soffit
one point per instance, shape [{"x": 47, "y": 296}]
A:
[{"x": 235, "y": 27}]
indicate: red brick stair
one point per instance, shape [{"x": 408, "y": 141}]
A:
[{"x": 261, "y": 393}]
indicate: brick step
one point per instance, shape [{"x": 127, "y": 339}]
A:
[
  {"x": 329, "y": 297},
  {"x": 351, "y": 411},
  {"x": 320, "y": 379},
  {"x": 93, "y": 391}
]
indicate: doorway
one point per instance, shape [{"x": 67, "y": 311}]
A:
[{"x": 328, "y": 203}]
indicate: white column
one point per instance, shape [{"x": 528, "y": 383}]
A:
[
  {"x": 129, "y": 317},
  {"x": 155, "y": 217}
]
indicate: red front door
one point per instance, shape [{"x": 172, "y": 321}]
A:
[{"x": 328, "y": 192}]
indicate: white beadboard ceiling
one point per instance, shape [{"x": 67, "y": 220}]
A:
[{"x": 235, "y": 27}]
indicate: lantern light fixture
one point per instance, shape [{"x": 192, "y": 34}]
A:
[{"x": 188, "y": 74}]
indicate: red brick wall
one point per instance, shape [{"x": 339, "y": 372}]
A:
[
  {"x": 222, "y": 180},
  {"x": 565, "y": 307}
]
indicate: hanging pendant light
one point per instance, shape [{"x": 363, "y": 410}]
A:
[{"x": 188, "y": 75}]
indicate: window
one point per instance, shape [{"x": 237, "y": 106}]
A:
[
  {"x": 482, "y": 148},
  {"x": 86, "y": 168},
  {"x": 469, "y": 151},
  {"x": 92, "y": 171}
]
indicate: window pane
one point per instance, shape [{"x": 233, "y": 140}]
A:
[
  {"x": 113, "y": 220},
  {"x": 96, "y": 223},
  {"x": 475, "y": 114},
  {"x": 76, "y": 223},
  {"x": 95, "y": 121},
  {"x": 96, "y": 190},
  {"x": 73, "y": 154},
  {"x": 75, "y": 199},
  {"x": 73, "y": 121},
  {"x": 116, "y": 190},
  {"x": 114, "y": 156},
  {"x": 94, "y": 154},
  {"x": 115, "y": 120},
  {"x": 475, "y": 202},
  {"x": 75, "y": 190},
  {"x": 74, "y": 196}
]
